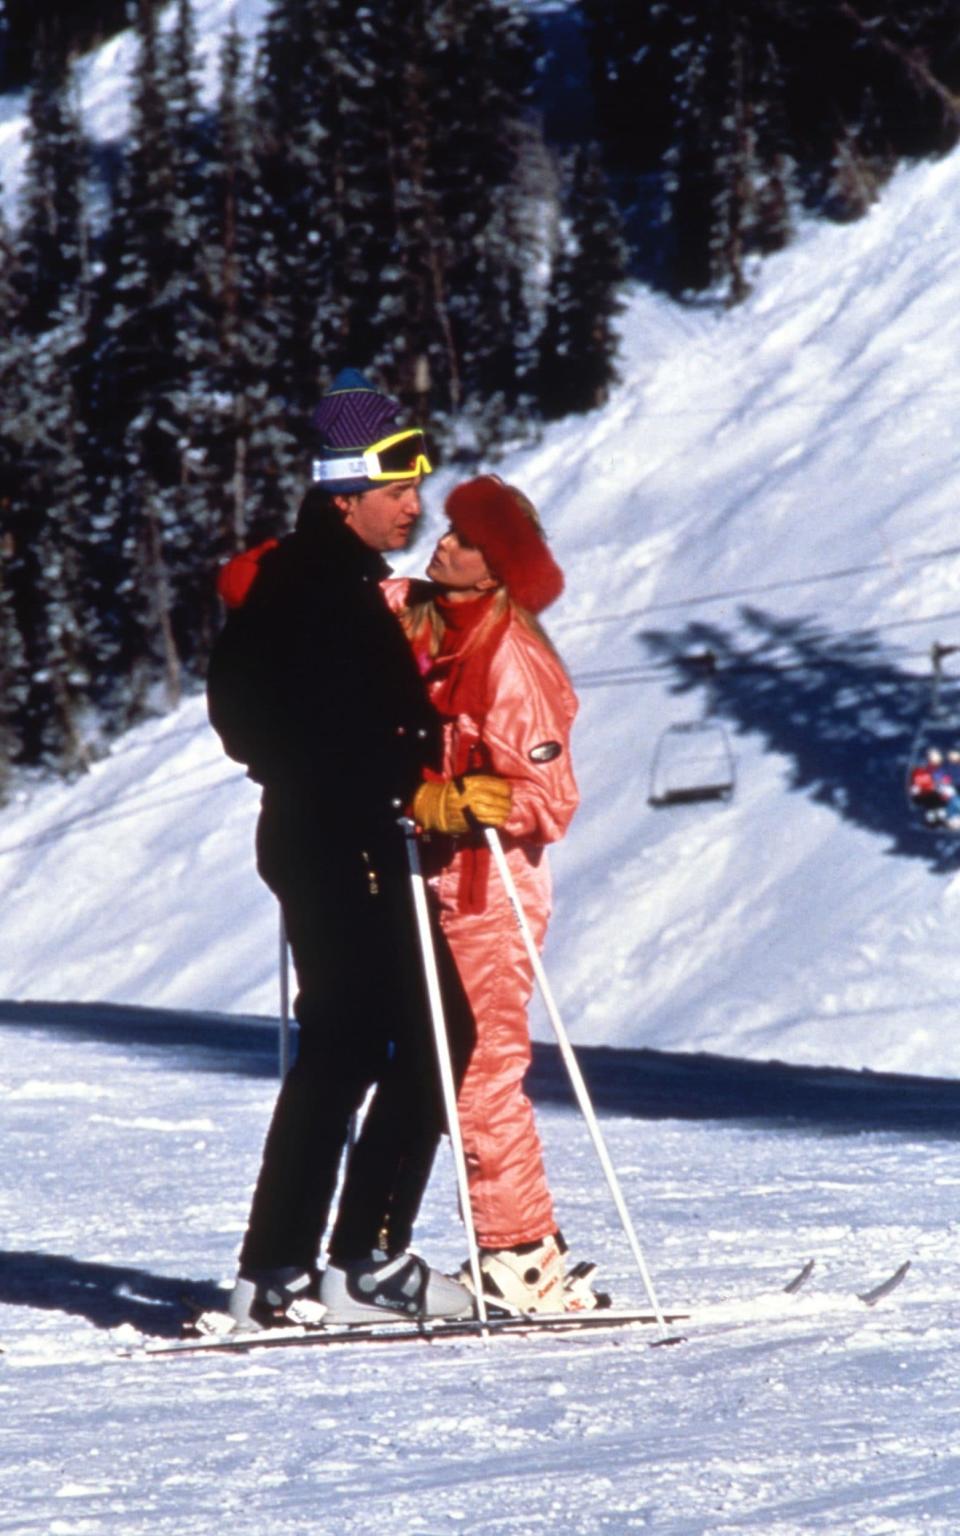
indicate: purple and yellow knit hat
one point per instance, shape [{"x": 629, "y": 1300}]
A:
[{"x": 360, "y": 444}]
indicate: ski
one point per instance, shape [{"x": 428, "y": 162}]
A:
[
  {"x": 427, "y": 1330},
  {"x": 793, "y": 1286},
  {"x": 805, "y": 1303},
  {"x": 877, "y": 1293},
  {"x": 400, "y": 1330},
  {"x": 869, "y": 1297}
]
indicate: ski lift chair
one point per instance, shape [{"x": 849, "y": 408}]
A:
[
  {"x": 932, "y": 784},
  {"x": 693, "y": 761}
]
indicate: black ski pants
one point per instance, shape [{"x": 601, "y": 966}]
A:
[{"x": 364, "y": 1023}]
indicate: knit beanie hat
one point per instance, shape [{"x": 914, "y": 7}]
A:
[
  {"x": 492, "y": 516},
  {"x": 350, "y": 418}
]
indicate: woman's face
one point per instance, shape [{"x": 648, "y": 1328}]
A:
[{"x": 460, "y": 567}]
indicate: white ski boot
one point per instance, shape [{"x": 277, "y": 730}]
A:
[
  {"x": 266, "y": 1298},
  {"x": 578, "y": 1293},
  {"x": 383, "y": 1288},
  {"x": 530, "y": 1278},
  {"x": 522, "y": 1280},
  {"x": 275, "y": 1298}
]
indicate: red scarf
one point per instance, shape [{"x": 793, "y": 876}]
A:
[
  {"x": 458, "y": 686},
  {"x": 458, "y": 675}
]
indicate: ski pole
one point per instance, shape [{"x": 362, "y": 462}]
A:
[
  {"x": 444, "y": 1064},
  {"x": 284, "y": 1042},
  {"x": 573, "y": 1069}
]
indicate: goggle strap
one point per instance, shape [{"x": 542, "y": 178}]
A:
[{"x": 339, "y": 469}]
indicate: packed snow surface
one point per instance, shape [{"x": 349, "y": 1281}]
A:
[
  {"x": 130, "y": 1145},
  {"x": 776, "y": 484}
]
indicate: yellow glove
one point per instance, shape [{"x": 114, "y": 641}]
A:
[{"x": 442, "y": 807}]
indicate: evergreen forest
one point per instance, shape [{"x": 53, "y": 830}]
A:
[{"x": 448, "y": 194}]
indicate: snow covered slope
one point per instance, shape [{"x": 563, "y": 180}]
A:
[
  {"x": 808, "y": 435},
  {"x": 777, "y": 483}
]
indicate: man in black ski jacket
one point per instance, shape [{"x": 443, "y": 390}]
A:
[{"x": 312, "y": 685}]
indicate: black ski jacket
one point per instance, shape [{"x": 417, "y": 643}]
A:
[{"x": 312, "y": 685}]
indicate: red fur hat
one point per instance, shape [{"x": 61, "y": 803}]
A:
[{"x": 490, "y": 515}]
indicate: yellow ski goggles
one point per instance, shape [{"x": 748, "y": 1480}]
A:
[{"x": 400, "y": 457}]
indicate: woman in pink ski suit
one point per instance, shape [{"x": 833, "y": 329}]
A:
[{"x": 507, "y": 707}]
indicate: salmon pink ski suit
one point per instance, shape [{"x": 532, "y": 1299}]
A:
[{"x": 507, "y": 708}]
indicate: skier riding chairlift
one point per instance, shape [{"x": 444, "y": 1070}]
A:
[
  {"x": 693, "y": 762},
  {"x": 933, "y": 768}
]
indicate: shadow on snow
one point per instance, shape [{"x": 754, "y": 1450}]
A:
[
  {"x": 216, "y": 1042},
  {"x": 637, "y": 1083},
  {"x": 640, "y": 1084},
  {"x": 836, "y": 704},
  {"x": 662, "y": 1085},
  {"x": 107, "y": 1295}
]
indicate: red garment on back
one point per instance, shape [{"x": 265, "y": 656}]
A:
[{"x": 235, "y": 579}]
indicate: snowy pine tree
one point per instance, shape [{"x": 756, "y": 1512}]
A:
[
  {"x": 155, "y": 335},
  {"x": 255, "y": 466},
  {"x": 41, "y": 435},
  {"x": 14, "y": 676},
  {"x": 776, "y": 194},
  {"x": 858, "y": 167},
  {"x": 188, "y": 531},
  {"x": 629, "y": 47},
  {"x": 407, "y": 303},
  {"x": 478, "y": 73},
  {"x": 136, "y": 371},
  {"x": 578, "y": 343},
  {"x": 13, "y": 662},
  {"x": 302, "y": 62},
  {"x": 52, "y": 232},
  {"x": 755, "y": 106},
  {"x": 390, "y": 146},
  {"x": 45, "y": 563},
  {"x": 690, "y": 171},
  {"x": 734, "y": 172}
]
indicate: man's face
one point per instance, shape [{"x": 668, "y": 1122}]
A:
[{"x": 385, "y": 517}]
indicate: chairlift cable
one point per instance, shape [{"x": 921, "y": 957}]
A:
[
  {"x": 844, "y": 573},
  {"x": 744, "y": 665}
]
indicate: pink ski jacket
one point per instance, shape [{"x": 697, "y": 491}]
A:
[{"x": 521, "y": 710}]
